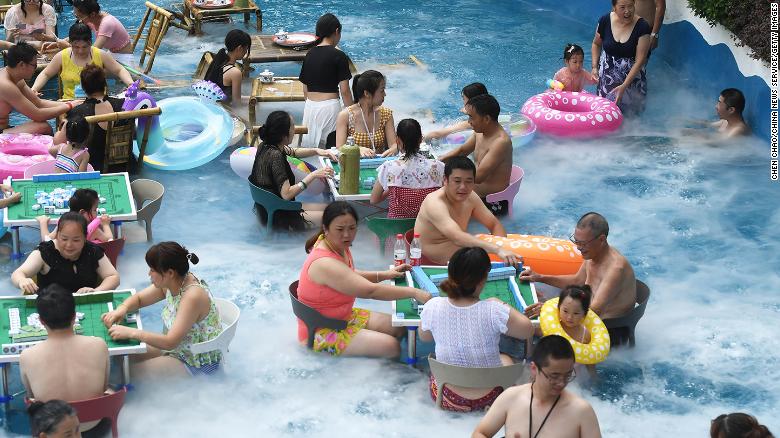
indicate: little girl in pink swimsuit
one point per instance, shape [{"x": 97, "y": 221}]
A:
[{"x": 573, "y": 77}]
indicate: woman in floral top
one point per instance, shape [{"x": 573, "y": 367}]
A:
[
  {"x": 407, "y": 180},
  {"x": 189, "y": 316}
]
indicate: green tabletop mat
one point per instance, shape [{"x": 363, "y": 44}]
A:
[
  {"x": 92, "y": 305},
  {"x": 111, "y": 187},
  {"x": 496, "y": 288},
  {"x": 365, "y": 172}
]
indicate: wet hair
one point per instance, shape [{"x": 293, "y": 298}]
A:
[
  {"x": 571, "y": 50},
  {"x": 410, "y": 133},
  {"x": 45, "y": 417},
  {"x": 40, "y": 7},
  {"x": 467, "y": 268},
  {"x": 368, "y": 81},
  {"x": 583, "y": 294},
  {"x": 738, "y": 425},
  {"x": 80, "y": 32},
  {"x": 77, "y": 132},
  {"x": 20, "y": 52},
  {"x": 595, "y": 222},
  {"x": 327, "y": 25},
  {"x": 485, "y": 105},
  {"x": 83, "y": 199},
  {"x": 74, "y": 217},
  {"x": 551, "y": 346},
  {"x": 474, "y": 89},
  {"x": 170, "y": 255},
  {"x": 734, "y": 98},
  {"x": 276, "y": 128},
  {"x": 56, "y": 306},
  {"x": 86, "y": 7},
  {"x": 234, "y": 39},
  {"x": 93, "y": 79},
  {"x": 332, "y": 211},
  {"x": 459, "y": 162}
]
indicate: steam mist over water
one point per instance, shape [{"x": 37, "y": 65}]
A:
[{"x": 698, "y": 221}]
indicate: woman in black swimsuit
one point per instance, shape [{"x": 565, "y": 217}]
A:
[{"x": 223, "y": 70}]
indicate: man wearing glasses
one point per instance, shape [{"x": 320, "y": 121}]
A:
[
  {"x": 605, "y": 270},
  {"x": 21, "y": 63},
  {"x": 543, "y": 408}
]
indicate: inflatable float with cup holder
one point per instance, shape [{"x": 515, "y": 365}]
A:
[{"x": 591, "y": 353}]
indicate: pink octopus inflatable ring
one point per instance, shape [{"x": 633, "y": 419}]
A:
[{"x": 573, "y": 114}]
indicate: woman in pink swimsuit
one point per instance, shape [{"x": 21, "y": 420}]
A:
[
  {"x": 329, "y": 283},
  {"x": 109, "y": 31}
]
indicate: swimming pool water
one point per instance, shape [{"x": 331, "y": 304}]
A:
[{"x": 699, "y": 222}]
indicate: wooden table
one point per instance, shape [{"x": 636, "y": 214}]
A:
[
  {"x": 282, "y": 89},
  {"x": 194, "y": 15}
]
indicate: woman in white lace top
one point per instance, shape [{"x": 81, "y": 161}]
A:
[{"x": 467, "y": 330}]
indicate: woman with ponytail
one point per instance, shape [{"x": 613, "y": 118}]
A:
[
  {"x": 271, "y": 172},
  {"x": 325, "y": 76},
  {"x": 738, "y": 425},
  {"x": 329, "y": 283},
  {"x": 467, "y": 330},
  {"x": 223, "y": 70},
  {"x": 189, "y": 316}
]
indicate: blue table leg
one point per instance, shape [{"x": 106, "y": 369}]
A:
[
  {"x": 117, "y": 229},
  {"x": 16, "y": 254},
  {"x": 411, "y": 346},
  {"x": 5, "y": 397}
]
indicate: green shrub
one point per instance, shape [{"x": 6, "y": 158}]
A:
[{"x": 748, "y": 20}]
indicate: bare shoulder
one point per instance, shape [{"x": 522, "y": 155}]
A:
[
  {"x": 515, "y": 393},
  {"x": 94, "y": 343}
]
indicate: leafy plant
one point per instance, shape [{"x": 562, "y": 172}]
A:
[{"x": 748, "y": 20}]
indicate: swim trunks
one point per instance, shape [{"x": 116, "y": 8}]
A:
[
  {"x": 336, "y": 341},
  {"x": 500, "y": 208},
  {"x": 451, "y": 401}
]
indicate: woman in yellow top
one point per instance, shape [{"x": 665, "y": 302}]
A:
[
  {"x": 367, "y": 121},
  {"x": 69, "y": 62}
]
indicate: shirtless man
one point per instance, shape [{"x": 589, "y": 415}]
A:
[
  {"x": 605, "y": 270},
  {"x": 65, "y": 366},
  {"x": 444, "y": 216},
  {"x": 21, "y": 63},
  {"x": 490, "y": 144},
  {"x": 543, "y": 408},
  {"x": 731, "y": 103},
  {"x": 653, "y": 12}
]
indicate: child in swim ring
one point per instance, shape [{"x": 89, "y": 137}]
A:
[
  {"x": 573, "y": 77},
  {"x": 84, "y": 202},
  {"x": 72, "y": 156}
]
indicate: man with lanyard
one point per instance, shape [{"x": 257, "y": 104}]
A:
[{"x": 543, "y": 408}]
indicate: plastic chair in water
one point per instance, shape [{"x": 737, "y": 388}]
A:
[
  {"x": 98, "y": 408},
  {"x": 272, "y": 204},
  {"x": 445, "y": 374},
  {"x": 45, "y": 167},
  {"x": 509, "y": 193},
  {"x": 112, "y": 248},
  {"x": 312, "y": 318},
  {"x": 630, "y": 320},
  {"x": 147, "y": 190},
  {"x": 229, "y": 313},
  {"x": 385, "y": 228}
]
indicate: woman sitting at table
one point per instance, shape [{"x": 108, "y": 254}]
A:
[
  {"x": 93, "y": 81},
  {"x": 223, "y": 70},
  {"x": 189, "y": 316},
  {"x": 467, "y": 330},
  {"x": 30, "y": 21},
  {"x": 68, "y": 260},
  {"x": 68, "y": 63},
  {"x": 407, "y": 180},
  {"x": 367, "y": 121},
  {"x": 110, "y": 33},
  {"x": 329, "y": 283},
  {"x": 271, "y": 171}
]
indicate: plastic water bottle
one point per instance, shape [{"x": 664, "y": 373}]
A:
[
  {"x": 415, "y": 251},
  {"x": 399, "y": 250}
]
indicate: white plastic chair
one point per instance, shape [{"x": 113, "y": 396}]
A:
[
  {"x": 229, "y": 313},
  {"x": 446, "y": 374},
  {"x": 147, "y": 190}
]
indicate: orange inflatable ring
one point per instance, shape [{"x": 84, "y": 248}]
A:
[{"x": 545, "y": 255}]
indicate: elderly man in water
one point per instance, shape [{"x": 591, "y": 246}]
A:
[{"x": 605, "y": 270}]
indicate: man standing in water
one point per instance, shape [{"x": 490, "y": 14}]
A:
[
  {"x": 653, "y": 12},
  {"x": 605, "y": 270},
  {"x": 491, "y": 146},
  {"x": 21, "y": 63},
  {"x": 444, "y": 216},
  {"x": 543, "y": 407}
]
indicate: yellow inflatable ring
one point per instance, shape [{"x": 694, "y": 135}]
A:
[{"x": 595, "y": 351}]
